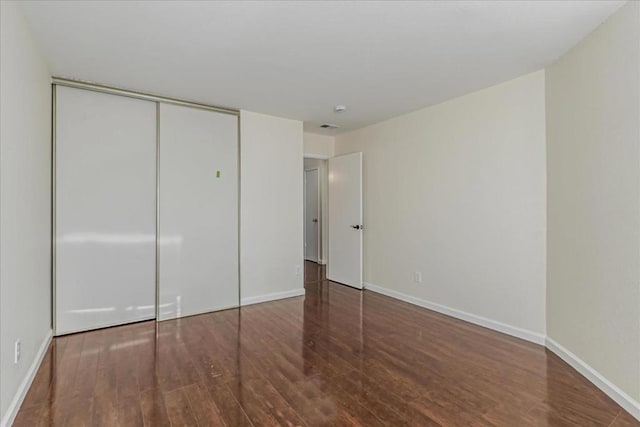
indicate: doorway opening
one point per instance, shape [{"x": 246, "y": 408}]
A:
[
  {"x": 332, "y": 217},
  {"x": 315, "y": 210}
]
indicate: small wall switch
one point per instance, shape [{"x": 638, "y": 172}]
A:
[
  {"x": 298, "y": 270},
  {"x": 417, "y": 277}
]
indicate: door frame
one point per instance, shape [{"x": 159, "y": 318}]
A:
[{"x": 304, "y": 214}]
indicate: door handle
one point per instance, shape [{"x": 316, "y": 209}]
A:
[
  {"x": 314, "y": 220},
  {"x": 358, "y": 227}
]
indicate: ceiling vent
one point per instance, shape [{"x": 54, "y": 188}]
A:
[{"x": 329, "y": 126}]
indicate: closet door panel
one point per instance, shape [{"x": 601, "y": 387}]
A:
[
  {"x": 198, "y": 240},
  {"x": 105, "y": 209}
]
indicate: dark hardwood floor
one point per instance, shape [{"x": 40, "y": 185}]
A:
[{"x": 334, "y": 357}]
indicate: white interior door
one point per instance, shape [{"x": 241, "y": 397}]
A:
[
  {"x": 345, "y": 220},
  {"x": 105, "y": 210},
  {"x": 198, "y": 240},
  {"x": 312, "y": 214}
]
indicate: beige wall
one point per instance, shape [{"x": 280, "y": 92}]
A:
[
  {"x": 25, "y": 201},
  {"x": 593, "y": 163},
  {"x": 271, "y": 234},
  {"x": 318, "y": 145},
  {"x": 457, "y": 192}
]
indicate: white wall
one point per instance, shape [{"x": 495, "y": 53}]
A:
[
  {"x": 318, "y": 145},
  {"x": 25, "y": 221},
  {"x": 457, "y": 192},
  {"x": 271, "y": 234},
  {"x": 593, "y": 155}
]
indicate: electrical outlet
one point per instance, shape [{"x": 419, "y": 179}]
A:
[
  {"x": 417, "y": 277},
  {"x": 17, "y": 351},
  {"x": 298, "y": 270}
]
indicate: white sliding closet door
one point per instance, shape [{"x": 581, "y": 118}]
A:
[
  {"x": 105, "y": 210},
  {"x": 198, "y": 240}
]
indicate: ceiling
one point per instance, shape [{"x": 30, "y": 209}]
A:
[{"x": 300, "y": 59}]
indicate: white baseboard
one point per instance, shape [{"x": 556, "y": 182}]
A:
[
  {"x": 620, "y": 397},
  {"x": 272, "y": 297},
  {"x": 18, "y": 398},
  {"x": 515, "y": 331}
]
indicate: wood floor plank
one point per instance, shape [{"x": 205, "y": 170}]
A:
[
  {"x": 624, "y": 419},
  {"x": 205, "y": 410},
  {"x": 63, "y": 386},
  {"x": 31, "y": 416},
  {"x": 40, "y": 389},
  {"x": 154, "y": 410},
  {"x": 335, "y": 357},
  {"x": 178, "y": 408},
  {"x": 232, "y": 412},
  {"x": 130, "y": 413}
]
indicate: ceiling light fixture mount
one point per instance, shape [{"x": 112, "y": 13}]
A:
[
  {"x": 329, "y": 126},
  {"x": 340, "y": 108}
]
